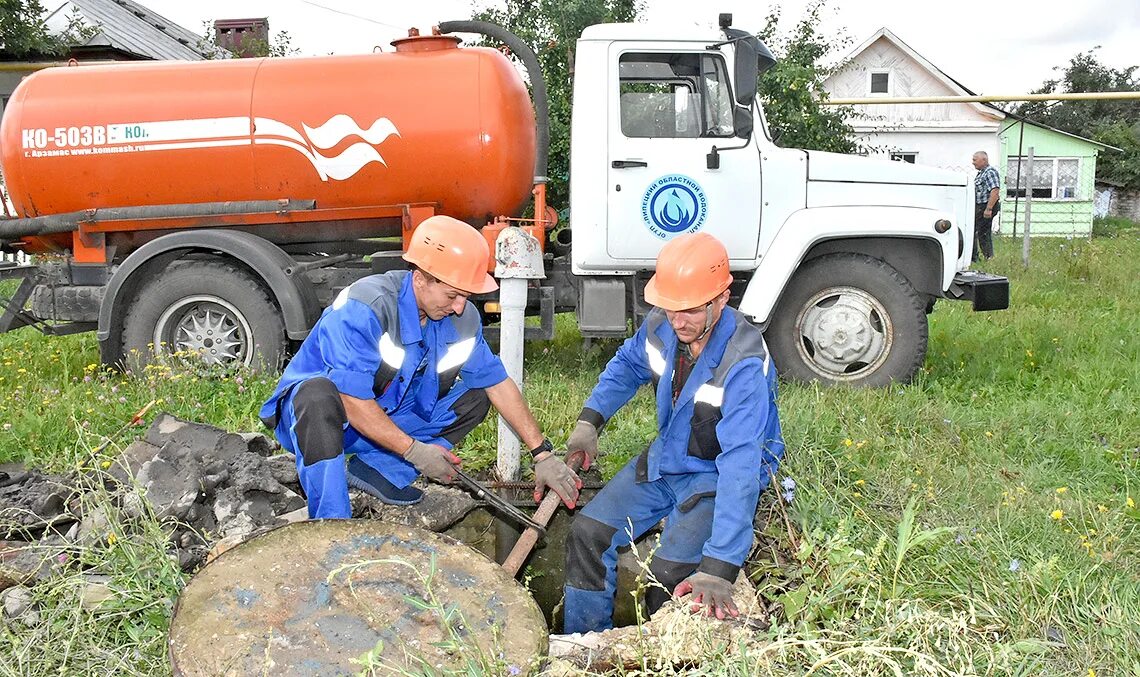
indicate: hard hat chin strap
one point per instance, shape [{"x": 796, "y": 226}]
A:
[{"x": 708, "y": 322}]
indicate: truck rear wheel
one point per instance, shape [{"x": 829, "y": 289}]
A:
[
  {"x": 849, "y": 318},
  {"x": 212, "y": 309}
]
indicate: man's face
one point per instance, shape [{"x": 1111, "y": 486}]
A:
[
  {"x": 979, "y": 162},
  {"x": 689, "y": 324},
  {"x": 437, "y": 299}
]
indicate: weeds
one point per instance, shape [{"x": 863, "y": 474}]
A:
[{"x": 1009, "y": 407}]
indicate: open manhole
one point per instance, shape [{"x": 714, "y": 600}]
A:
[{"x": 336, "y": 597}]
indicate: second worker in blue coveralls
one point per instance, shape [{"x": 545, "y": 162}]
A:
[
  {"x": 394, "y": 374},
  {"x": 718, "y": 443}
]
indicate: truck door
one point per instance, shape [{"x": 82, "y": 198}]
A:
[{"x": 667, "y": 109}]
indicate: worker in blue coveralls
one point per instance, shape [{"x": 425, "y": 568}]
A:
[
  {"x": 717, "y": 446},
  {"x": 394, "y": 374}
]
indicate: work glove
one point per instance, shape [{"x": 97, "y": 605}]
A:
[
  {"x": 551, "y": 472},
  {"x": 709, "y": 593},
  {"x": 433, "y": 461},
  {"x": 583, "y": 442}
]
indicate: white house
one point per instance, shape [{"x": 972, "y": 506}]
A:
[
  {"x": 947, "y": 135},
  {"x": 939, "y": 135}
]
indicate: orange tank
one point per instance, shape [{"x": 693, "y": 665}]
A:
[{"x": 429, "y": 123}]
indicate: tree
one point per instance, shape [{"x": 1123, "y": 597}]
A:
[
  {"x": 792, "y": 90},
  {"x": 551, "y": 28},
  {"x": 23, "y": 32},
  {"x": 1116, "y": 123}
]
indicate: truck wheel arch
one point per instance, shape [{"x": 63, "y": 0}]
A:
[
  {"x": 918, "y": 258},
  {"x": 293, "y": 294}
]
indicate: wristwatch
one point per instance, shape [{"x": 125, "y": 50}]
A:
[{"x": 545, "y": 446}]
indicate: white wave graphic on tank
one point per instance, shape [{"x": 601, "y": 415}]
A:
[{"x": 338, "y": 128}]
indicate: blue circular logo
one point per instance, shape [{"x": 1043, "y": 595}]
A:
[{"x": 674, "y": 204}]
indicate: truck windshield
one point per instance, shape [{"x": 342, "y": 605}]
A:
[{"x": 670, "y": 95}]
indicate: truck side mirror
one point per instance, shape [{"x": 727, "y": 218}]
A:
[
  {"x": 742, "y": 121},
  {"x": 746, "y": 72}
]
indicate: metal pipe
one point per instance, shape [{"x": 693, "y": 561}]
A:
[
  {"x": 983, "y": 98},
  {"x": 512, "y": 301},
  {"x": 13, "y": 229}
]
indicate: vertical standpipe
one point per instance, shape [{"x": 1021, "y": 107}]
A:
[{"x": 518, "y": 258}]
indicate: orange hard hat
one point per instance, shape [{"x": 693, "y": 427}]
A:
[
  {"x": 453, "y": 252},
  {"x": 691, "y": 271}
]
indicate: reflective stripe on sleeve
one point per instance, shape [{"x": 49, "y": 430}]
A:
[{"x": 656, "y": 360}]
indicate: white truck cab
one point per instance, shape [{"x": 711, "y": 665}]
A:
[{"x": 839, "y": 258}]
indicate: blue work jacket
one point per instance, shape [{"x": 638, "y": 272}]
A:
[
  {"x": 751, "y": 444},
  {"x": 371, "y": 345}
]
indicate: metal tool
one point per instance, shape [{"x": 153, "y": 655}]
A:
[{"x": 483, "y": 493}]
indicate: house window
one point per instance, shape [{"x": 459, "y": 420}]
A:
[
  {"x": 904, "y": 157},
  {"x": 674, "y": 96},
  {"x": 880, "y": 82},
  {"x": 1053, "y": 178}
]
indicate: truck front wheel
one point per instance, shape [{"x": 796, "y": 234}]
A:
[
  {"x": 849, "y": 318},
  {"x": 213, "y": 310}
]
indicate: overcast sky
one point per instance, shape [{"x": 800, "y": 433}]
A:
[{"x": 990, "y": 47}]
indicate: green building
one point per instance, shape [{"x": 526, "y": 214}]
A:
[{"x": 1063, "y": 174}]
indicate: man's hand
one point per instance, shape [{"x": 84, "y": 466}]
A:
[
  {"x": 550, "y": 471},
  {"x": 583, "y": 441},
  {"x": 433, "y": 461},
  {"x": 988, "y": 213},
  {"x": 710, "y": 594}
]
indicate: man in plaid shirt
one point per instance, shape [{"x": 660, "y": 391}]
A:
[{"x": 987, "y": 186}]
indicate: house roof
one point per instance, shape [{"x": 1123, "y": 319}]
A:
[
  {"x": 1062, "y": 132},
  {"x": 956, "y": 86},
  {"x": 129, "y": 27},
  {"x": 937, "y": 72}
]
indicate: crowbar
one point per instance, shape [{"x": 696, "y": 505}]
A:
[{"x": 483, "y": 493}]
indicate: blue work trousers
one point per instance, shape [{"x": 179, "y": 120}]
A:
[
  {"x": 311, "y": 423},
  {"x": 621, "y": 512}
]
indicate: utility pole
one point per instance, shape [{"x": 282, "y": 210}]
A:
[{"x": 1028, "y": 206}]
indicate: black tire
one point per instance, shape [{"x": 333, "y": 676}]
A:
[
  {"x": 218, "y": 299},
  {"x": 71, "y": 303},
  {"x": 849, "y": 318}
]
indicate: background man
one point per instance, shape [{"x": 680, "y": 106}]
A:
[
  {"x": 987, "y": 186},
  {"x": 394, "y": 374},
  {"x": 718, "y": 443}
]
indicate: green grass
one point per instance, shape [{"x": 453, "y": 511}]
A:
[{"x": 1017, "y": 448}]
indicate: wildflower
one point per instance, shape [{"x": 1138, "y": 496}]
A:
[
  {"x": 7, "y": 426},
  {"x": 960, "y": 539},
  {"x": 111, "y": 538},
  {"x": 1057, "y": 514},
  {"x": 789, "y": 496},
  {"x": 861, "y": 444},
  {"x": 1130, "y": 503},
  {"x": 989, "y": 434},
  {"x": 516, "y": 670},
  {"x": 1061, "y": 490},
  {"x": 105, "y": 464},
  {"x": 860, "y": 483},
  {"x": 61, "y": 558},
  {"x": 847, "y": 442},
  {"x": 857, "y": 495},
  {"x": 1014, "y": 564},
  {"x": 1101, "y": 508},
  {"x": 788, "y": 483}
]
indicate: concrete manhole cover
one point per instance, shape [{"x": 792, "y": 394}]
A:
[{"x": 326, "y": 597}]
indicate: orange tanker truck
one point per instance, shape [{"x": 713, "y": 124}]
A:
[{"x": 216, "y": 207}]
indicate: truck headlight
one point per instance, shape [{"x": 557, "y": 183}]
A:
[{"x": 942, "y": 225}]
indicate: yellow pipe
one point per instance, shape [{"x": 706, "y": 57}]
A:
[
  {"x": 41, "y": 65},
  {"x": 974, "y": 98}
]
